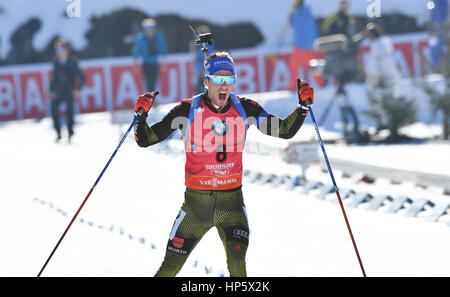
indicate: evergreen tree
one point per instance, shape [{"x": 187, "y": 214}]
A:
[
  {"x": 440, "y": 102},
  {"x": 390, "y": 111}
]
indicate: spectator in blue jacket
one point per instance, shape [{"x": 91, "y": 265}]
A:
[
  {"x": 439, "y": 16},
  {"x": 149, "y": 51},
  {"x": 303, "y": 25},
  {"x": 439, "y": 37},
  {"x": 305, "y": 31}
]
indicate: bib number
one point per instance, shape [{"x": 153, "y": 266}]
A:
[{"x": 221, "y": 155}]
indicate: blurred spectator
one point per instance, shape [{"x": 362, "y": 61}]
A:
[
  {"x": 438, "y": 49},
  {"x": 303, "y": 25},
  {"x": 439, "y": 41},
  {"x": 339, "y": 22},
  {"x": 305, "y": 31},
  {"x": 65, "y": 86},
  {"x": 439, "y": 15},
  {"x": 148, "y": 49},
  {"x": 198, "y": 67},
  {"x": 21, "y": 41},
  {"x": 380, "y": 68}
]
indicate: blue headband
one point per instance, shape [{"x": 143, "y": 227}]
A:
[{"x": 219, "y": 63}]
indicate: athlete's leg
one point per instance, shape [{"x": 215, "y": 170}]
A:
[
  {"x": 235, "y": 242},
  {"x": 181, "y": 243},
  {"x": 232, "y": 225},
  {"x": 193, "y": 221}
]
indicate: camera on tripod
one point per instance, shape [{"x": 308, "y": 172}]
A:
[
  {"x": 340, "y": 63},
  {"x": 340, "y": 60}
]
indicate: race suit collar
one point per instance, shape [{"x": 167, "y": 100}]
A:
[{"x": 211, "y": 106}]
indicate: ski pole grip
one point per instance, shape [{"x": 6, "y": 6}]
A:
[
  {"x": 308, "y": 101},
  {"x": 141, "y": 110}
]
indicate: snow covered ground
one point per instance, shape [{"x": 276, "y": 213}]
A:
[{"x": 124, "y": 226}]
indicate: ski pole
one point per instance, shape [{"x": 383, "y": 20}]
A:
[
  {"x": 136, "y": 118},
  {"x": 336, "y": 189}
]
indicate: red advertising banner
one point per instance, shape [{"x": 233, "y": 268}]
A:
[
  {"x": 33, "y": 99},
  {"x": 277, "y": 71},
  {"x": 93, "y": 98},
  {"x": 246, "y": 69},
  {"x": 8, "y": 98},
  {"x": 114, "y": 83},
  {"x": 126, "y": 84}
]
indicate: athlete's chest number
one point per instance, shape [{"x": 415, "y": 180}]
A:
[{"x": 221, "y": 155}]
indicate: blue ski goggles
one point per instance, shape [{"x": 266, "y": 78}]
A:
[{"x": 219, "y": 79}]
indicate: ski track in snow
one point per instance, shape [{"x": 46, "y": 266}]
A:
[{"x": 140, "y": 195}]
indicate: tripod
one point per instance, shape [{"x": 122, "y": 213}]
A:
[{"x": 348, "y": 115}]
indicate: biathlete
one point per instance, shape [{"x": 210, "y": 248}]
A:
[{"x": 214, "y": 125}]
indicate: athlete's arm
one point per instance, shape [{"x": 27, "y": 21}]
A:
[
  {"x": 272, "y": 125},
  {"x": 288, "y": 127},
  {"x": 175, "y": 119}
]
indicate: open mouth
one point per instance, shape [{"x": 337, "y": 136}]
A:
[{"x": 222, "y": 96}]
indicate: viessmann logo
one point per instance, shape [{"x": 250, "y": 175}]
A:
[{"x": 215, "y": 182}]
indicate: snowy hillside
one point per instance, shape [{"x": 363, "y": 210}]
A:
[{"x": 124, "y": 227}]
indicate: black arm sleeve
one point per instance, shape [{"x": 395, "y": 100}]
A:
[
  {"x": 54, "y": 76},
  {"x": 272, "y": 125},
  {"x": 80, "y": 76},
  {"x": 175, "y": 119}
]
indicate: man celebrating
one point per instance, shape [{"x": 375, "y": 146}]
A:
[{"x": 214, "y": 125}]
